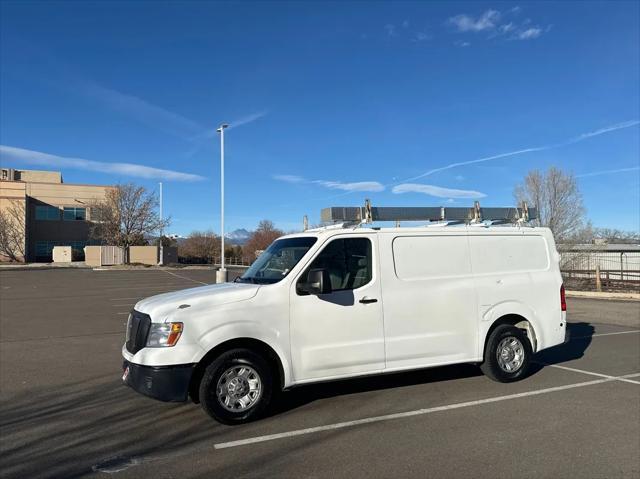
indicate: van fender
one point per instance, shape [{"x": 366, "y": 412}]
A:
[
  {"x": 248, "y": 330},
  {"x": 506, "y": 308}
]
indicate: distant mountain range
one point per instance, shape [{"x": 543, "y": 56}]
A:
[
  {"x": 239, "y": 236},
  {"x": 236, "y": 237}
]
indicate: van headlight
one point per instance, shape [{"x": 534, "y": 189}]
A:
[{"x": 163, "y": 335}]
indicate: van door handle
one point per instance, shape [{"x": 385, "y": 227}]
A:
[{"x": 367, "y": 300}]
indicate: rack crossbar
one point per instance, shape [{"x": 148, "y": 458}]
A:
[{"x": 368, "y": 213}]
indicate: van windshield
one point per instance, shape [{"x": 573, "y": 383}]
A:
[{"x": 277, "y": 260}]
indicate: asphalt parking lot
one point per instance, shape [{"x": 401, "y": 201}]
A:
[{"x": 65, "y": 412}]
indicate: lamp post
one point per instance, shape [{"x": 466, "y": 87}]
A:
[
  {"x": 221, "y": 274},
  {"x": 161, "y": 230}
]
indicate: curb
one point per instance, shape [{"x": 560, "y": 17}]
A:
[
  {"x": 40, "y": 268},
  {"x": 598, "y": 295},
  {"x": 164, "y": 268}
]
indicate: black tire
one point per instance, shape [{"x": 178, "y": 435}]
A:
[
  {"x": 491, "y": 366},
  {"x": 235, "y": 358}
]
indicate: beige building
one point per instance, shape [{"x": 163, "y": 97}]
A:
[{"x": 55, "y": 213}]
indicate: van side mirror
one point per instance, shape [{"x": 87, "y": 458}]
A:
[{"x": 318, "y": 282}]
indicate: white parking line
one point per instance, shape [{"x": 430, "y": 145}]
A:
[
  {"x": 612, "y": 334},
  {"x": 418, "y": 412},
  {"x": 184, "y": 277},
  {"x": 589, "y": 336},
  {"x": 590, "y": 373}
]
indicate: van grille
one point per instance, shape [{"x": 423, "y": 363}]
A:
[{"x": 138, "y": 327}]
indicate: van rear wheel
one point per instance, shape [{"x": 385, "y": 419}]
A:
[
  {"x": 507, "y": 355},
  {"x": 236, "y": 387}
]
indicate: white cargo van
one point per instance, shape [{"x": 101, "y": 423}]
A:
[{"x": 340, "y": 302}]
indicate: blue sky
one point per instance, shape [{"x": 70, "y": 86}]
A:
[{"x": 329, "y": 103}]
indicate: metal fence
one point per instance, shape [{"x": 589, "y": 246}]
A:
[
  {"x": 595, "y": 269},
  {"x": 233, "y": 261}
]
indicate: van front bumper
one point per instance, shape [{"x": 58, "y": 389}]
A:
[{"x": 165, "y": 383}]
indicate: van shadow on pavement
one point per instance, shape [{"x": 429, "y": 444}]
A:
[
  {"x": 302, "y": 395},
  {"x": 580, "y": 335},
  {"x": 579, "y": 340}
]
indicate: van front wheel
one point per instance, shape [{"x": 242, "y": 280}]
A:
[
  {"x": 236, "y": 387},
  {"x": 507, "y": 355}
]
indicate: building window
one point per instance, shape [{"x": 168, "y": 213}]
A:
[
  {"x": 49, "y": 213},
  {"x": 44, "y": 249},
  {"x": 74, "y": 214}
]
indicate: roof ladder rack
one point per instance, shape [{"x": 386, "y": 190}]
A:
[{"x": 475, "y": 215}]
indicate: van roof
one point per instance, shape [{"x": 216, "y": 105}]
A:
[{"x": 412, "y": 230}]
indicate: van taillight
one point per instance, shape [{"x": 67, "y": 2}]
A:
[{"x": 563, "y": 299}]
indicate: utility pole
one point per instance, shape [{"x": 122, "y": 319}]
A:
[
  {"x": 161, "y": 262},
  {"x": 221, "y": 274}
]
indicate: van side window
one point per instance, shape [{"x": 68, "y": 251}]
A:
[{"x": 348, "y": 262}]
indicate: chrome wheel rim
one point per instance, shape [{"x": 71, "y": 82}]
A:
[
  {"x": 239, "y": 388},
  {"x": 510, "y": 354}
]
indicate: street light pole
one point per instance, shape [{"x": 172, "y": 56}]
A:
[
  {"x": 161, "y": 229},
  {"x": 221, "y": 274}
]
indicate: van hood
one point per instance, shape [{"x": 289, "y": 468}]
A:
[{"x": 161, "y": 305}]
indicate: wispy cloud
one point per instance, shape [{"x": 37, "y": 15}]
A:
[
  {"x": 156, "y": 116},
  {"x": 497, "y": 24},
  {"x": 10, "y": 153},
  {"x": 245, "y": 120},
  {"x": 507, "y": 27},
  {"x": 606, "y": 129},
  {"x": 372, "y": 186},
  {"x": 609, "y": 172},
  {"x": 436, "y": 191},
  {"x": 357, "y": 186},
  {"x": 141, "y": 110},
  {"x": 468, "y": 23},
  {"x": 529, "y": 33},
  {"x": 579, "y": 138}
]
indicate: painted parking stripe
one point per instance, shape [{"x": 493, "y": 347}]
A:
[
  {"x": 184, "y": 277},
  {"x": 589, "y": 336},
  {"x": 618, "y": 332},
  {"x": 591, "y": 373},
  {"x": 418, "y": 412}
]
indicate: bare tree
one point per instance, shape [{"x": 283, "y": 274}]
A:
[
  {"x": 558, "y": 199},
  {"x": 126, "y": 216},
  {"x": 13, "y": 231},
  {"x": 262, "y": 237},
  {"x": 617, "y": 236},
  {"x": 199, "y": 247}
]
